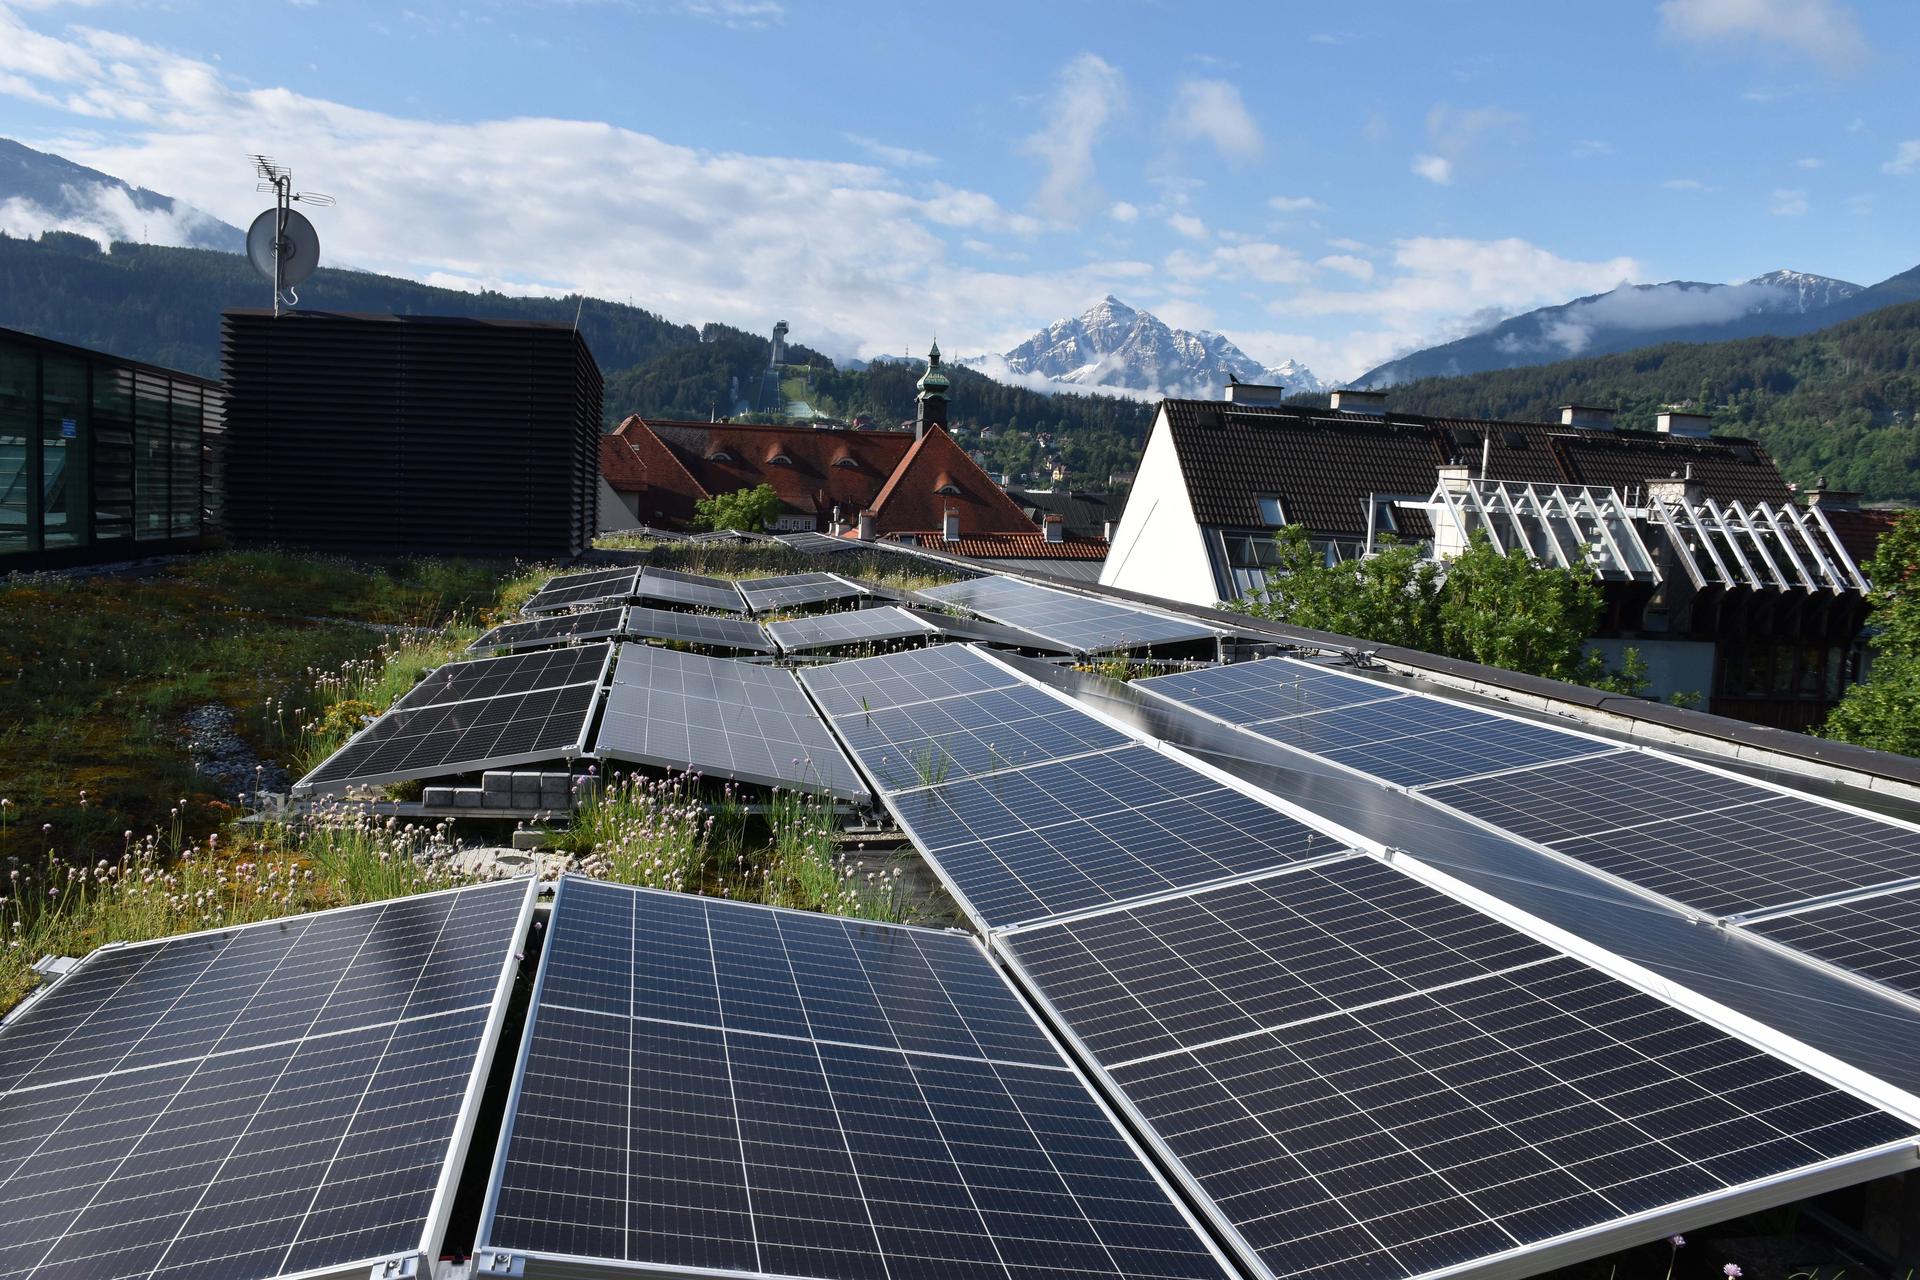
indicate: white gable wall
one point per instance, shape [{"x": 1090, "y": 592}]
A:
[{"x": 1158, "y": 548}]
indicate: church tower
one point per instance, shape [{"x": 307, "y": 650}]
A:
[{"x": 933, "y": 384}]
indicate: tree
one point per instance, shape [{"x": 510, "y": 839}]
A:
[
  {"x": 748, "y": 510},
  {"x": 1389, "y": 597},
  {"x": 1885, "y": 711}
]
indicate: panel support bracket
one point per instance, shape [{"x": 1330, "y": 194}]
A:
[
  {"x": 498, "y": 1264},
  {"x": 404, "y": 1266}
]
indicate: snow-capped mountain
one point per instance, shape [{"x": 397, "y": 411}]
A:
[
  {"x": 41, "y": 192},
  {"x": 1635, "y": 315},
  {"x": 1113, "y": 345}
]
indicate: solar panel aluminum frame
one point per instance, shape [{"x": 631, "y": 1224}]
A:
[
  {"x": 853, "y": 591},
  {"x": 1217, "y": 634},
  {"x": 1211, "y": 772},
  {"x": 440, "y": 1209},
  {"x": 1534, "y": 1259},
  {"x": 574, "y": 752},
  {"x": 1881, "y": 989},
  {"x": 491, "y": 1263}
]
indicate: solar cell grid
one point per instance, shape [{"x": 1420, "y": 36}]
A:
[
  {"x": 1085, "y": 623},
  {"x": 562, "y": 628},
  {"x": 515, "y": 673},
  {"x": 259, "y": 1101},
  {"x": 1877, "y": 938},
  {"x": 689, "y": 590},
  {"x": 1268, "y": 689},
  {"x": 927, "y": 743},
  {"x": 873, "y": 1102},
  {"x": 1370, "y": 1078},
  {"x": 460, "y": 737},
  {"x": 569, "y": 590},
  {"x": 849, "y": 627},
  {"x": 1083, "y": 833},
  {"x": 816, "y": 544},
  {"x": 697, "y": 628},
  {"x": 786, "y": 591},
  {"x": 720, "y": 717},
  {"x": 898, "y": 679}
]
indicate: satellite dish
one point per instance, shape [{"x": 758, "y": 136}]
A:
[{"x": 295, "y": 253}]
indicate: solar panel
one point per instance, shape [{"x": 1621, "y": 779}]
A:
[
  {"x": 897, "y": 679},
  {"x": 793, "y": 589},
  {"x": 1085, "y": 624},
  {"x": 982, "y": 632},
  {"x": 1877, "y": 938},
  {"x": 946, "y": 739},
  {"x": 697, "y": 628},
  {"x": 572, "y": 589},
  {"x": 461, "y": 737},
  {"x": 1705, "y": 840},
  {"x": 1366, "y": 1077},
  {"x": 735, "y": 1089},
  {"x": 693, "y": 592},
  {"x": 816, "y": 544},
  {"x": 515, "y": 673},
  {"x": 1365, "y": 725},
  {"x": 291, "y": 1097},
  {"x": 720, "y": 717},
  {"x": 562, "y": 628},
  {"x": 849, "y": 627}
]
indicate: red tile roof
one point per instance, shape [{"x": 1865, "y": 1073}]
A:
[
  {"x": 818, "y": 469},
  {"x": 1860, "y": 531},
  {"x": 1013, "y": 546},
  {"x": 912, "y": 501},
  {"x": 620, "y": 466}
]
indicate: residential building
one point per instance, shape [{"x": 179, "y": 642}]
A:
[{"x": 1711, "y": 570}]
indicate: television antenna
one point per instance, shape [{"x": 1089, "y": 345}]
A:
[{"x": 281, "y": 244}]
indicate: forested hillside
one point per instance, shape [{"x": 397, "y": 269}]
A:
[{"x": 1840, "y": 402}]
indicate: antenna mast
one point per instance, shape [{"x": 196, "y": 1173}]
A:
[{"x": 281, "y": 242}]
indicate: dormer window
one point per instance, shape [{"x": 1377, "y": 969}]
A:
[
  {"x": 779, "y": 460},
  {"x": 719, "y": 455},
  {"x": 845, "y": 462},
  {"x": 949, "y": 489}
]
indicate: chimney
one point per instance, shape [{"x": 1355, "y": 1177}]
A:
[
  {"x": 1354, "y": 400},
  {"x": 1675, "y": 489},
  {"x": 1056, "y": 527},
  {"x": 1693, "y": 426},
  {"x": 950, "y": 525},
  {"x": 1255, "y": 393},
  {"x": 838, "y": 525},
  {"x": 1586, "y": 415},
  {"x": 1832, "y": 499},
  {"x": 1106, "y": 531},
  {"x": 866, "y": 526}
]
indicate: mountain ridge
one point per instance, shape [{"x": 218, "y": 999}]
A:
[{"x": 40, "y": 191}]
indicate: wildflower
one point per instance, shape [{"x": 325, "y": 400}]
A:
[
  {"x": 1732, "y": 1271},
  {"x": 1676, "y": 1241}
]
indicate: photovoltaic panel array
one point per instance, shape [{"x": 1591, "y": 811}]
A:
[
  {"x": 697, "y": 628},
  {"x": 709, "y": 1087},
  {"x": 523, "y": 722},
  {"x": 1877, "y": 937},
  {"x": 1027, "y": 805},
  {"x": 1085, "y": 624},
  {"x": 722, "y": 718},
  {"x": 849, "y": 627},
  {"x": 688, "y": 590},
  {"x": 795, "y": 589},
  {"x": 571, "y": 590},
  {"x": 958, "y": 627},
  {"x": 1363, "y": 724},
  {"x": 557, "y": 629},
  {"x": 291, "y": 1097},
  {"x": 1366, "y": 1077},
  {"x": 515, "y": 673},
  {"x": 1700, "y": 838},
  {"x": 816, "y": 544}
]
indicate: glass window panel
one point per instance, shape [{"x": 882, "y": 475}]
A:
[
  {"x": 110, "y": 442},
  {"x": 18, "y": 375},
  {"x": 185, "y": 501},
  {"x": 63, "y": 456},
  {"x": 150, "y": 460}
]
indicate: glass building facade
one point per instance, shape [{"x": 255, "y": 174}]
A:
[{"x": 102, "y": 458}]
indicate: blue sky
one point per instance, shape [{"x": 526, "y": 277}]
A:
[{"x": 1334, "y": 183}]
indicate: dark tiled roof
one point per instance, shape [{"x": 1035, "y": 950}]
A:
[
  {"x": 1086, "y": 514},
  {"x": 1860, "y": 531},
  {"x": 1323, "y": 465}
]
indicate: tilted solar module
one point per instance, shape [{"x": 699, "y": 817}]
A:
[
  {"x": 293, "y": 1097},
  {"x": 789, "y": 590},
  {"x": 443, "y": 738},
  {"x": 515, "y": 673},
  {"x": 849, "y": 627},
  {"x": 1876, "y": 938},
  {"x": 710, "y": 1087},
  {"x": 571, "y": 590},
  {"x": 1085, "y": 624},
  {"x": 956, "y": 627},
  {"x": 697, "y": 628},
  {"x": 560, "y": 628},
  {"x": 1365, "y": 725},
  {"x": 1030, "y": 806},
  {"x": 723, "y": 718},
  {"x": 689, "y": 590},
  {"x": 1711, "y": 842},
  {"x": 816, "y": 544},
  {"x": 1365, "y": 1077}
]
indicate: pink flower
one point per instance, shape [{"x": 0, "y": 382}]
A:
[
  {"x": 1732, "y": 1270},
  {"x": 1676, "y": 1241}
]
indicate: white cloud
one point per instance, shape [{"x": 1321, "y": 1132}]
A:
[
  {"x": 1122, "y": 212},
  {"x": 1295, "y": 204},
  {"x": 1685, "y": 184},
  {"x": 1787, "y": 202},
  {"x": 1212, "y": 111},
  {"x": 1454, "y": 133},
  {"x": 739, "y": 14},
  {"x": 1810, "y": 162},
  {"x": 1086, "y": 96},
  {"x": 1437, "y": 169},
  {"x": 1348, "y": 265},
  {"x": 1187, "y": 225},
  {"x": 899, "y": 157},
  {"x": 1589, "y": 147},
  {"x": 1824, "y": 30},
  {"x": 1906, "y": 159}
]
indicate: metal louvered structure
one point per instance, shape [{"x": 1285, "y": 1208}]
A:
[{"x": 414, "y": 435}]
